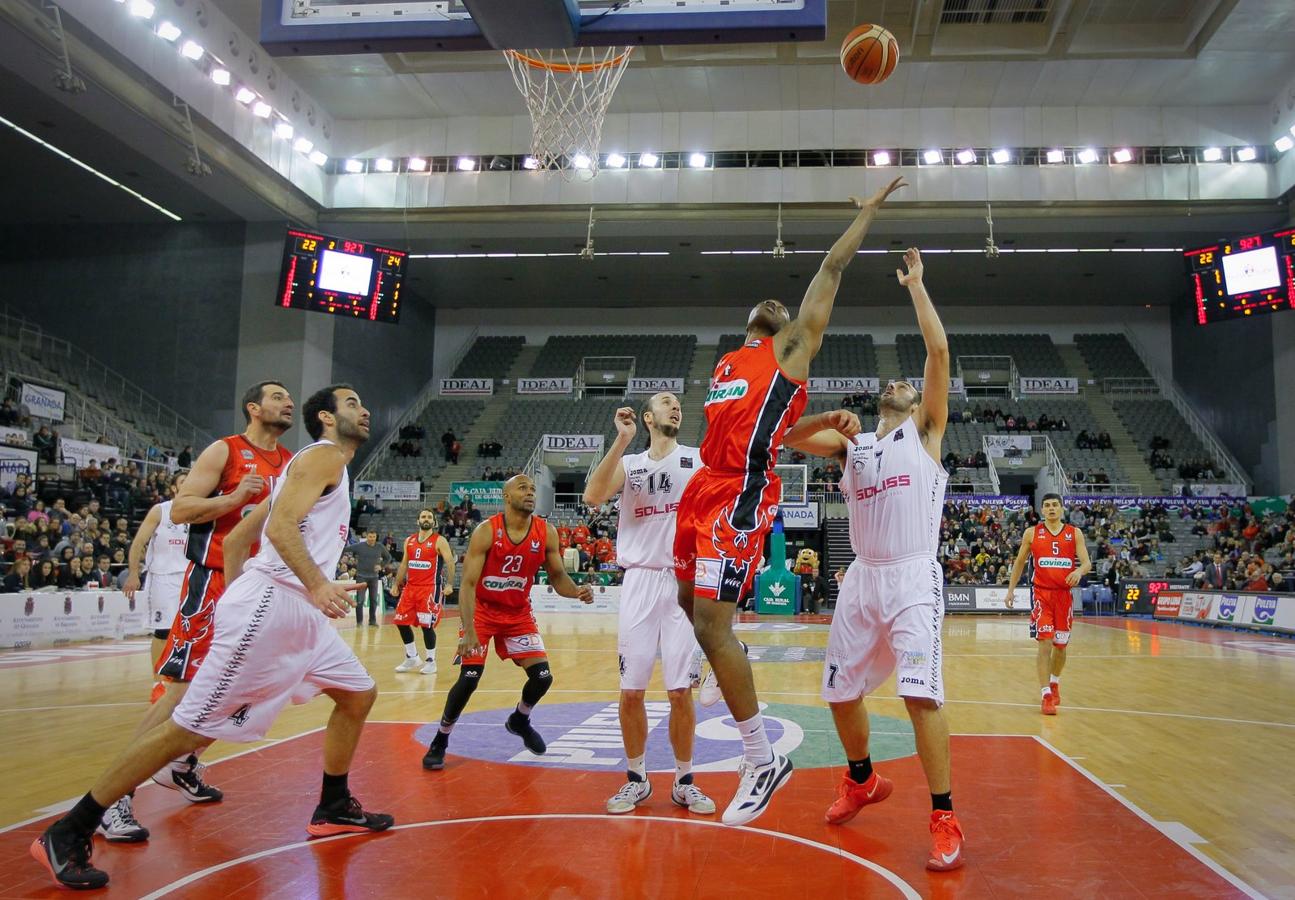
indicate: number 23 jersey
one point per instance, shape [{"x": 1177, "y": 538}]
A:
[{"x": 509, "y": 570}]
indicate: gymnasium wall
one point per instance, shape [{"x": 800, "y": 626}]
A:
[{"x": 158, "y": 303}]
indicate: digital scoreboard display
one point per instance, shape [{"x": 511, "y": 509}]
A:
[
  {"x": 1247, "y": 276},
  {"x": 341, "y": 276}
]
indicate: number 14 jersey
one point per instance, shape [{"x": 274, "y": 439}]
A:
[{"x": 650, "y": 505}]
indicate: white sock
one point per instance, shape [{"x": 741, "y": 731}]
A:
[
  {"x": 638, "y": 765},
  {"x": 682, "y": 767},
  {"x": 1047, "y": 692},
  {"x": 411, "y": 650},
  {"x": 1054, "y": 679},
  {"x": 755, "y": 743},
  {"x": 431, "y": 656}
]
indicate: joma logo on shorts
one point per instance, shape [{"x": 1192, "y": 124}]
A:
[
  {"x": 721, "y": 391},
  {"x": 910, "y": 680}
]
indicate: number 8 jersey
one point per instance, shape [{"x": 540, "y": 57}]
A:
[{"x": 509, "y": 570}]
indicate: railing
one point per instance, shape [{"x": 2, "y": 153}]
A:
[
  {"x": 74, "y": 365},
  {"x": 978, "y": 364},
  {"x": 412, "y": 412},
  {"x": 83, "y": 419},
  {"x": 1055, "y": 468},
  {"x": 612, "y": 364},
  {"x": 1130, "y": 386},
  {"x": 1233, "y": 470},
  {"x": 1087, "y": 487},
  {"x": 994, "y": 480}
]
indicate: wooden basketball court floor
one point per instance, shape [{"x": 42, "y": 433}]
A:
[{"x": 1166, "y": 774}]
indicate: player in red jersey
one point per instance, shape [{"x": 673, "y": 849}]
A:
[
  {"x": 504, "y": 555},
  {"x": 424, "y": 579},
  {"x": 756, "y": 395},
  {"x": 228, "y": 480},
  {"x": 1055, "y": 548}
]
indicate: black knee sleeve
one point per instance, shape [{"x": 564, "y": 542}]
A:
[
  {"x": 461, "y": 692},
  {"x": 406, "y": 633},
  {"x": 162, "y": 634},
  {"x": 429, "y": 638},
  {"x": 538, "y": 681}
]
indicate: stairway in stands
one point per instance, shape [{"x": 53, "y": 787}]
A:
[
  {"x": 693, "y": 401},
  {"x": 887, "y": 363},
  {"x": 1108, "y": 420},
  {"x": 839, "y": 554}
]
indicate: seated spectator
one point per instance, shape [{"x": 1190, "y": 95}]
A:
[
  {"x": 43, "y": 442},
  {"x": 1104, "y": 441},
  {"x": 1079, "y": 477},
  {"x": 1061, "y": 424},
  {"x": 91, "y": 473},
  {"x": 1083, "y": 441},
  {"x": 44, "y": 576},
  {"x": 19, "y": 577},
  {"x": 69, "y": 575}
]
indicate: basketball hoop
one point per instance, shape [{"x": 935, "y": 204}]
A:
[{"x": 567, "y": 93}]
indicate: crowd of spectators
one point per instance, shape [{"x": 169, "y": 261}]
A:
[
  {"x": 1243, "y": 547},
  {"x": 489, "y": 449},
  {"x": 409, "y": 440},
  {"x": 1007, "y": 422},
  {"x": 498, "y": 473},
  {"x": 1099, "y": 441}
]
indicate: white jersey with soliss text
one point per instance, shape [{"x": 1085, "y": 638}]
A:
[
  {"x": 649, "y": 506},
  {"x": 165, "y": 553},
  {"x": 323, "y": 530},
  {"x": 894, "y": 492}
]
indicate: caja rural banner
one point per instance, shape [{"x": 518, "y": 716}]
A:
[
  {"x": 44, "y": 618},
  {"x": 800, "y": 517},
  {"x": 44, "y": 402},
  {"x": 544, "y": 385},
  {"x": 844, "y": 385},
  {"x": 481, "y": 493}
]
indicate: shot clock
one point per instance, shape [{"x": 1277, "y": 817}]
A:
[
  {"x": 341, "y": 276},
  {"x": 1246, "y": 276}
]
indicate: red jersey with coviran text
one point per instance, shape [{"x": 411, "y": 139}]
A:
[
  {"x": 1053, "y": 556},
  {"x": 510, "y": 569},
  {"x": 749, "y": 408},
  {"x": 207, "y": 540},
  {"x": 424, "y": 568}
]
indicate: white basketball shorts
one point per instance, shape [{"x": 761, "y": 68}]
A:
[
  {"x": 163, "y": 591},
  {"x": 887, "y": 619},
  {"x": 269, "y": 647},
  {"x": 651, "y": 620}
]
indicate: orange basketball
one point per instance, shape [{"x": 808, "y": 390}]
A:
[{"x": 869, "y": 54}]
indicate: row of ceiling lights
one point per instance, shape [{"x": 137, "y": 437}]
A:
[{"x": 219, "y": 73}]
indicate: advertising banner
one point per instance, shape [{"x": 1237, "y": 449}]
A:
[
  {"x": 655, "y": 385},
  {"x": 1049, "y": 385},
  {"x": 955, "y": 385},
  {"x": 1168, "y": 604},
  {"x": 481, "y": 493},
  {"x": 389, "y": 490},
  {"x": 1210, "y": 490},
  {"x": 1264, "y": 613},
  {"x": 573, "y": 443},
  {"x": 81, "y": 452},
  {"x": 801, "y": 517},
  {"x": 467, "y": 387},
  {"x": 997, "y": 445},
  {"x": 44, "y": 402},
  {"x": 607, "y": 598},
  {"x": 844, "y": 385},
  {"x": 46, "y": 618},
  {"x": 15, "y": 436},
  {"x": 1010, "y": 501},
  {"x": 985, "y": 598},
  {"x": 544, "y": 385},
  {"x": 15, "y": 461},
  {"x": 1194, "y": 605}
]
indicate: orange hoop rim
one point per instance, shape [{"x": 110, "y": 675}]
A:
[{"x": 567, "y": 67}]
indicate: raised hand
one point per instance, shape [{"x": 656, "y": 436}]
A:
[
  {"x": 626, "y": 422},
  {"x": 912, "y": 259},
  {"x": 880, "y": 197}
]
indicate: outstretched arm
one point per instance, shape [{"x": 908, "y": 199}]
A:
[
  {"x": 608, "y": 477},
  {"x": 827, "y": 434},
  {"x": 816, "y": 309},
  {"x": 933, "y": 412}
]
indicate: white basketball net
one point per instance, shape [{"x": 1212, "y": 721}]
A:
[{"x": 567, "y": 93}]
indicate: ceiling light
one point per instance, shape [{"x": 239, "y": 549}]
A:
[
  {"x": 531, "y": 163},
  {"x": 697, "y": 160},
  {"x": 1087, "y": 156},
  {"x": 648, "y": 160},
  {"x": 466, "y": 164},
  {"x": 354, "y": 166},
  {"x": 416, "y": 164},
  {"x": 303, "y": 145},
  {"x": 1283, "y": 144},
  {"x": 1212, "y": 154},
  {"x": 933, "y": 157},
  {"x": 580, "y": 161},
  {"x": 966, "y": 157},
  {"x": 261, "y": 109},
  {"x": 220, "y": 76},
  {"x": 881, "y": 158},
  {"x": 192, "y": 50},
  {"x": 1001, "y": 157},
  {"x": 1056, "y": 156},
  {"x": 245, "y": 95},
  {"x": 384, "y": 165},
  {"x": 283, "y": 130},
  {"x": 616, "y": 160},
  {"x": 1247, "y": 154},
  {"x": 141, "y": 8},
  {"x": 168, "y": 31},
  {"x": 1123, "y": 155},
  {"x": 318, "y": 157}
]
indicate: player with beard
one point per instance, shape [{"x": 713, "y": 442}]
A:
[
  {"x": 757, "y": 394},
  {"x": 226, "y": 482},
  {"x": 505, "y": 553},
  {"x": 650, "y": 620},
  {"x": 273, "y": 644},
  {"x": 424, "y": 579},
  {"x": 891, "y": 606}
]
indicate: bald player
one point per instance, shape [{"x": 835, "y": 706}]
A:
[{"x": 504, "y": 555}]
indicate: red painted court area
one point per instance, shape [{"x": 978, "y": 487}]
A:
[{"x": 479, "y": 829}]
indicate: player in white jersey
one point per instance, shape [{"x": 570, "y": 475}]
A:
[
  {"x": 272, "y": 643},
  {"x": 651, "y": 484},
  {"x": 891, "y": 607},
  {"x": 160, "y": 546}
]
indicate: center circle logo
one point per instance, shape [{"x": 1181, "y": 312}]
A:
[{"x": 587, "y": 736}]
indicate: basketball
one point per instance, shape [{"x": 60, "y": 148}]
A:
[{"x": 869, "y": 54}]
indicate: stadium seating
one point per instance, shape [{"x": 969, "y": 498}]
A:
[
  {"x": 489, "y": 357},
  {"x": 655, "y": 355},
  {"x": 842, "y": 355},
  {"x": 1110, "y": 356},
  {"x": 1146, "y": 418},
  {"x": 439, "y": 416},
  {"x": 530, "y": 418},
  {"x": 1034, "y": 354}
]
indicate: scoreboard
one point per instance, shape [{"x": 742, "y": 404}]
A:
[
  {"x": 341, "y": 276},
  {"x": 1243, "y": 277}
]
